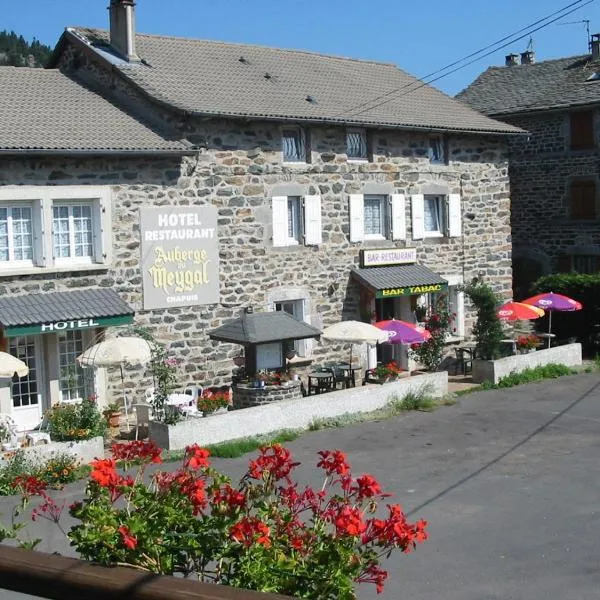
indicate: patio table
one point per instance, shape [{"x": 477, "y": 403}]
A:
[
  {"x": 349, "y": 373},
  {"x": 320, "y": 382}
]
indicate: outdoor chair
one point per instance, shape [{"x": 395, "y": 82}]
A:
[
  {"x": 10, "y": 428},
  {"x": 339, "y": 376},
  {"x": 40, "y": 435},
  {"x": 142, "y": 417}
]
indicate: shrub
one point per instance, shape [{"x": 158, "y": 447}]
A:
[
  {"x": 431, "y": 352},
  {"x": 488, "y": 329},
  {"x": 214, "y": 398},
  {"x": 390, "y": 370},
  {"x": 75, "y": 421},
  {"x": 528, "y": 342},
  {"x": 60, "y": 469},
  {"x": 265, "y": 534}
]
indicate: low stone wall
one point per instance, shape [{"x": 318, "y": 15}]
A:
[
  {"x": 292, "y": 414},
  {"x": 86, "y": 450},
  {"x": 245, "y": 396},
  {"x": 494, "y": 370}
]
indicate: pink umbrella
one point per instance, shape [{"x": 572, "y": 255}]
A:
[
  {"x": 518, "y": 311},
  {"x": 550, "y": 302},
  {"x": 402, "y": 332}
]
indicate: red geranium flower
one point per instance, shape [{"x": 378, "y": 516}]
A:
[
  {"x": 129, "y": 541},
  {"x": 333, "y": 461},
  {"x": 196, "y": 457},
  {"x": 349, "y": 521},
  {"x": 367, "y": 487}
]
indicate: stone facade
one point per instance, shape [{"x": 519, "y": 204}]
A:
[
  {"x": 545, "y": 236},
  {"x": 245, "y": 396}
]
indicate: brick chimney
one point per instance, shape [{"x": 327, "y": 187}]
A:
[
  {"x": 512, "y": 60},
  {"x": 122, "y": 28},
  {"x": 527, "y": 57},
  {"x": 595, "y": 46}
]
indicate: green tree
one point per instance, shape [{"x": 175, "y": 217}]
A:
[
  {"x": 488, "y": 329},
  {"x": 16, "y": 51}
]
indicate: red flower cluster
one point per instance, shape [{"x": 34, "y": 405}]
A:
[
  {"x": 368, "y": 487},
  {"x": 396, "y": 530},
  {"x": 274, "y": 461},
  {"x": 146, "y": 451},
  {"x": 196, "y": 457},
  {"x": 29, "y": 486},
  {"x": 129, "y": 541},
  {"x": 251, "y": 530},
  {"x": 227, "y": 499},
  {"x": 527, "y": 342},
  {"x": 349, "y": 521},
  {"x": 375, "y": 575},
  {"x": 333, "y": 461},
  {"x": 185, "y": 483},
  {"x": 104, "y": 473}
]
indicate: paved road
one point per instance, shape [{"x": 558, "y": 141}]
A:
[{"x": 509, "y": 481}]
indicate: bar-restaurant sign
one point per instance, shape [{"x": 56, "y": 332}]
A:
[
  {"x": 58, "y": 326},
  {"x": 413, "y": 290},
  {"x": 384, "y": 257},
  {"x": 179, "y": 256}
]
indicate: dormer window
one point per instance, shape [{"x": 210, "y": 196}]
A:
[{"x": 436, "y": 152}]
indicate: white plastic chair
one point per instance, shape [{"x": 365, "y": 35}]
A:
[
  {"x": 195, "y": 391},
  {"x": 142, "y": 417},
  {"x": 11, "y": 428}
]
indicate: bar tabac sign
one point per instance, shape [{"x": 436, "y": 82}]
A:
[{"x": 179, "y": 256}]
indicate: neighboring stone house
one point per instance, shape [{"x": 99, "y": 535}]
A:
[
  {"x": 554, "y": 171},
  {"x": 326, "y": 187}
]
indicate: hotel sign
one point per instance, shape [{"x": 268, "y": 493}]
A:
[
  {"x": 179, "y": 256},
  {"x": 411, "y": 290},
  {"x": 388, "y": 256},
  {"x": 57, "y": 326}
]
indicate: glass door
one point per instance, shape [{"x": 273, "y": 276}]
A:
[
  {"x": 74, "y": 382},
  {"x": 25, "y": 391}
]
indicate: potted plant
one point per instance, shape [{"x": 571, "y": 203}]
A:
[
  {"x": 112, "y": 414},
  {"x": 527, "y": 343},
  {"x": 214, "y": 401}
]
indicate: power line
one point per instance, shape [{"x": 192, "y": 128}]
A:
[{"x": 510, "y": 39}]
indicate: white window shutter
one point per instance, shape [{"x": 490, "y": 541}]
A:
[
  {"x": 418, "y": 216},
  {"x": 454, "y": 216},
  {"x": 280, "y": 220},
  {"x": 313, "y": 235},
  {"x": 357, "y": 218},
  {"x": 398, "y": 217},
  {"x": 460, "y": 313},
  {"x": 98, "y": 230},
  {"x": 39, "y": 234}
]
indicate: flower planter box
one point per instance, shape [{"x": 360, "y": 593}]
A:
[
  {"x": 84, "y": 450},
  {"x": 494, "y": 370},
  {"x": 296, "y": 413}
]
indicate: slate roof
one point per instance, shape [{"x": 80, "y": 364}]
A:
[
  {"x": 262, "y": 328},
  {"x": 33, "y": 309},
  {"x": 545, "y": 85},
  {"x": 44, "y": 110},
  {"x": 380, "y": 278},
  {"x": 211, "y": 78}
]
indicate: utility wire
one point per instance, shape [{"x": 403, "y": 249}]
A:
[{"x": 510, "y": 39}]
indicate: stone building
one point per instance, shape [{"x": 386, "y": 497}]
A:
[
  {"x": 189, "y": 179},
  {"x": 554, "y": 170}
]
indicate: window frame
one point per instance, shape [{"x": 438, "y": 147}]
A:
[
  {"x": 11, "y": 262},
  {"x": 581, "y": 184},
  {"x": 303, "y": 142},
  {"x": 295, "y": 221},
  {"x": 42, "y": 200},
  {"x": 364, "y": 142},
  {"x": 443, "y": 229},
  {"x": 587, "y": 141},
  {"x": 384, "y": 201},
  {"x": 440, "y": 142},
  {"x": 72, "y": 258}
]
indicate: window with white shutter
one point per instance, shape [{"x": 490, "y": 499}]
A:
[
  {"x": 297, "y": 220},
  {"x": 312, "y": 221},
  {"x": 454, "y": 216},
  {"x": 418, "y": 216},
  {"x": 280, "y": 220},
  {"x": 398, "y": 217},
  {"x": 357, "y": 225}
]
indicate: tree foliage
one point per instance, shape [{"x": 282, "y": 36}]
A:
[
  {"x": 16, "y": 51},
  {"x": 488, "y": 329}
]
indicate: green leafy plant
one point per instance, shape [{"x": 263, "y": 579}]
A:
[
  {"x": 266, "y": 533},
  {"x": 61, "y": 468},
  {"x": 388, "y": 371},
  {"x": 527, "y": 342},
  {"x": 488, "y": 329},
  {"x": 438, "y": 321},
  {"x": 214, "y": 398},
  {"x": 551, "y": 371},
  {"x": 75, "y": 421}
]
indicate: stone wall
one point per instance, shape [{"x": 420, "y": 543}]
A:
[{"x": 245, "y": 396}]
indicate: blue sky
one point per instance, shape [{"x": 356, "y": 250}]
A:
[{"x": 420, "y": 36}]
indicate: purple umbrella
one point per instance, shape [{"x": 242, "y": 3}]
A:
[
  {"x": 550, "y": 301},
  {"x": 401, "y": 332}
]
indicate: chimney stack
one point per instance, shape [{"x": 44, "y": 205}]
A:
[
  {"x": 512, "y": 60},
  {"x": 527, "y": 57},
  {"x": 122, "y": 28},
  {"x": 595, "y": 46}
]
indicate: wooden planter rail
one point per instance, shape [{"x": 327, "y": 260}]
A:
[{"x": 60, "y": 578}]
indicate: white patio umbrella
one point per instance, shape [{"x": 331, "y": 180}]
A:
[
  {"x": 354, "y": 332},
  {"x": 117, "y": 351},
  {"x": 11, "y": 365}
]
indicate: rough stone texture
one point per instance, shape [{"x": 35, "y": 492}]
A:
[
  {"x": 245, "y": 396},
  {"x": 541, "y": 168},
  {"x": 293, "y": 414},
  {"x": 494, "y": 370},
  {"x": 85, "y": 451}
]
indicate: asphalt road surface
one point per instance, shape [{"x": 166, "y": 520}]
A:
[{"x": 509, "y": 481}]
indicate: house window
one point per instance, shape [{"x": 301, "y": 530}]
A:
[
  {"x": 296, "y": 309},
  {"x": 77, "y": 231},
  {"x": 72, "y": 231},
  {"x": 582, "y": 199},
  {"x": 436, "y": 152},
  {"x": 456, "y": 307},
  {"x": 75, "y": 383},
  {"x": 294, "y": 145},
  {"x": 582, "y": 130},
  {"x": 376, "y": 217},
  {"x": 294, "y": 220},
  {"x": 16, "y": 234},
  {"x": 583, "y": 263},
  {"x": 356, "y": 144},
  {"x": 434, "y": 216}
]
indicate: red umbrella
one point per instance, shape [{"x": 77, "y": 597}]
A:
[
  {"x": 402, "y": 332},
  {"x": 518, "y": 311}
]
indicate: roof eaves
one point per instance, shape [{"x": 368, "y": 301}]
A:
[{"x": 98, "y": 152}]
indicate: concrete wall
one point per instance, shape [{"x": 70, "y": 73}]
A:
[
  {"x": 292, "y": 414},
  {"x": 494, "y": 370},
  {"x": 86, "y": 451}
]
